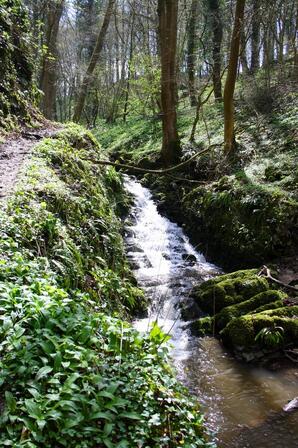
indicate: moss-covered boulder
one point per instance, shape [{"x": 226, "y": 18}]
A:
[
  {"x": 246, "y": 312},
  {"x": 226, "y": 290},
  {"x": 241, "y": 333},
  {"x": 262, "y": 301}
]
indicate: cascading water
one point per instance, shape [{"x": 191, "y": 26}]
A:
[{"x": 242, "y": 404}]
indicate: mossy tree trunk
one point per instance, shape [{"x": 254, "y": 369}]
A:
[
  {"x": 217, "y": 31},
  {"x": 48, "y": 76},
  {"x": 167, "y": 30},
  {"x": 191, "y": 50},
  {"x": 93, "y": 61},
  {"x": 229, "y": 131},
  {"x": 255, "y": 37}
]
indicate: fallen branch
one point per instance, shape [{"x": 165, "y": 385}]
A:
[
  {"x": 266, "y": 273},
  {"x": 144, "y": 170}
]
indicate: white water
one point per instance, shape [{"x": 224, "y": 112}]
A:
[{"x": 242, "y": 403}]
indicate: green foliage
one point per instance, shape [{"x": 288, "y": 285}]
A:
[
  {"x": 244, "y": 212},
  {"x": 145, "y": 87},
  {"x": 60, "y": 213},
  {"x": 72, "y": 376},
  {"x": 271, "y": 336},
  {"x": 16, "y": 90}
]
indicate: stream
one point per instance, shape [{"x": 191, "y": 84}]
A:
[{"x": 242, "y": 403}]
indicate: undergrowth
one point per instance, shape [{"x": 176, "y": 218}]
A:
[{"x": 72, "y": 373}]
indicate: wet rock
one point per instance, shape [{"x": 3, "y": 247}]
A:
[
  {"x": 190, "y": 311},
  {"x": 134, "y": 248},
  {"x": 190, "y": 258}
]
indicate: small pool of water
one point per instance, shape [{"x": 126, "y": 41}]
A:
[{"x": 242, "y": 404}]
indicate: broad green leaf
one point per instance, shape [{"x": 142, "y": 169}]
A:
[
  {"x": 44, "y": 371},
  {"x": 10, "y": 401}
]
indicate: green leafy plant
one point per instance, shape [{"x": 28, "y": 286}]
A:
[
  {"x": 71, "y": 374},
  {"x": 271, "y": 336}
]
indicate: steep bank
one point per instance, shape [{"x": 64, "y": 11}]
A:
[{"x": 67, "y": 376}]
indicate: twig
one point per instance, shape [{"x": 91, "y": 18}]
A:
[{"x": 266, "y": 273}]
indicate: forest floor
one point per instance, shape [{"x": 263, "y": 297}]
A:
[{"x": 14, "y": 151}]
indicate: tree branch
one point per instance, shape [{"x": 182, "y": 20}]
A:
[{"x": 144, "y": 170}]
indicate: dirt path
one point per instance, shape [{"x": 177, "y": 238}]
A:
[{"x": 13, "y": 153}]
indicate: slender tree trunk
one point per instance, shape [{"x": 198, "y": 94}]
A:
[
  {"x": 48, "y": 76},
  {"x": 131, "y": 49},
  {"x": 243, "y": 54},
  {"x": 93, "y": 61},
  {"x": 167, "y": 15},
  {"x": 255, "y": 38},
  {"x": 217, "y": 30},
  {"x": 191, "y": 50},
  {"x": 229, "y": 136}
]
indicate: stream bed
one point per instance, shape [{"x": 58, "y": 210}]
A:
[{"x": 242, "y": 403}]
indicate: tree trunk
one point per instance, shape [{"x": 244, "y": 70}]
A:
[
  {"x": 243, "y": 54},
  {"x": 217, "y": 30},
  {"x": 93, "y": 61},
  {"x": 130, "y": 60},
  {"x": 191, "y": 49},
  {"x": 48, "y": 76},
  {"x": 167, "y": 15},
  {"x": 229, "y": 137},
  {"x": 255, "y": 38}
]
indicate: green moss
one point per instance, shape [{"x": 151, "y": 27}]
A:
[
  {"x": 256, "y": 303},
  {"x": 203, "y": 326},
  {"x": 230, "y": 289},
  {"x": 241, "y": 332},
  {"x": 16, "y": 69},
  {"x": 285, "y": 311}
]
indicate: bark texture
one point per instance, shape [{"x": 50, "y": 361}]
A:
[
  {"x": 229, "y": 137},
  {"x": 167, "y": 15},
  {"x": 217, "y": 30},
  {"x": 255, "y": 37},
  {"x": 48, "y": 76},
  {"x": 191, "y": 52}
]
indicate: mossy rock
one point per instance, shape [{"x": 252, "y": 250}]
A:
[
  {"x": 214, "y": 295},
  {"x": 203, "y": 326},
  {"x": 285, "y": 311},
  {"x": 241, "y": 332},
  {"x": 260, "y": 302}
]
